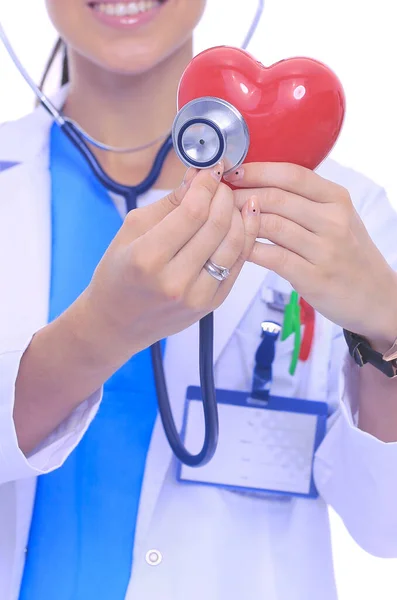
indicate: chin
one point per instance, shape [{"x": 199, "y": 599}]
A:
[
  {"x": 136, "y": 60},
  {"x": 126, "y": 37}
]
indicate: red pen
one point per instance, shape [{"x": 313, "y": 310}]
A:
[{"x": 308, "y": 317}]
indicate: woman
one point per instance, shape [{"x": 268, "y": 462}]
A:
[{"x": 109, "y": 519}]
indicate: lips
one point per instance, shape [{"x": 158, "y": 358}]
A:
[{"x": 126, "y": 15}]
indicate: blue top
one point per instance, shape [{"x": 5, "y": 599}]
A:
[{"x": 82, "y": 533}]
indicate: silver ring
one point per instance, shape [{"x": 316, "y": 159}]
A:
[{"x": 216, "y": 271}]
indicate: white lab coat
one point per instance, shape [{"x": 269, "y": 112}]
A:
[{"x": 215, "y": 544}]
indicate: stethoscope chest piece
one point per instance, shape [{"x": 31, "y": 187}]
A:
[{"x": 207, "y": 130}]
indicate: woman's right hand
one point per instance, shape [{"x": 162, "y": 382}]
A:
[{"x": 151, "y": 282}]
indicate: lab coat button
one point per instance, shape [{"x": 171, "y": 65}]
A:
[{"x": 153, "y": 558}]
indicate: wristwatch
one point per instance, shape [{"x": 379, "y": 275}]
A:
[{"x": 362, "y": 353}]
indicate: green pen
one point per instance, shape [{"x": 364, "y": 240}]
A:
[{"x": 292, "y": 325}]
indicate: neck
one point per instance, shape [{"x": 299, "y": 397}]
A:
[{"x": 128, "y": 111}]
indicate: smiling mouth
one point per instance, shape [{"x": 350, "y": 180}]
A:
[{"x": 126, "y": 9}]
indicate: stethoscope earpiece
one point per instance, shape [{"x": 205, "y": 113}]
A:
[{"x": 207, "y": 130}]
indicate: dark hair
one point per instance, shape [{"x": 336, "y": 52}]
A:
[{"x": 58, "y": 48}]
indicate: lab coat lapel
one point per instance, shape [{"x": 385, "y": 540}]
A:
[
  {"x": 182, "y": 369},
  {"x": 25, "y": 227},
  {"x": 25, "y": 222},
  {"x": 21, "y": 141}
]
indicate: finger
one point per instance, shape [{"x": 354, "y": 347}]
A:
[
  {"x": 291, "y": 236},
  {"x": 163, "y": 241},
  {"x": 285, "y": 263},
  {"x": 226, "y": 255},
  {"x": 232, "y": 252},
  {"x": 251, "y": 219},
  {"x": 296, "y": 208},
  {"x": 188, "y": 263},
  {"x": 159, "y": 210},
  {"x": 141, "y": 220},
  {"x": 287, "y": 177}
]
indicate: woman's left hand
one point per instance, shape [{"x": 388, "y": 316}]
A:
[{"x": 321, "y": 246}]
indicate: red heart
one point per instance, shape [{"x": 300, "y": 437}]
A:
[{"x": 294, "y": 109}]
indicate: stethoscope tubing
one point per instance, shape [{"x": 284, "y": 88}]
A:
[{"x": 206, "y": 367}]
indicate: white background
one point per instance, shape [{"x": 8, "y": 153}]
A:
[{"x": 357, "y": 39}]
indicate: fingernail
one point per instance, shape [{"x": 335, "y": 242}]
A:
[
  {"x": 189, "y": 176},
  {"x": 253, "y": 205},
  {"x": 217, "y": 171},
  {"x": 235, "y": 175}
]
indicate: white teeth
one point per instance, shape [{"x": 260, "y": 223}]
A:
[
  {"x": 121, "y": 9},
  {"x": 132, "y": 8}
]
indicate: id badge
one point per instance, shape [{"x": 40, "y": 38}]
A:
[{"x": 263, "y": 446}]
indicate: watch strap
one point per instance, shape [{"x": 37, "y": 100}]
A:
[{"x": 362, "y": 353}]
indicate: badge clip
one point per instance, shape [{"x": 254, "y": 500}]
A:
[{"x": 264, "y": 357}]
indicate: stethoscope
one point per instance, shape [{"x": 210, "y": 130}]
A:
[{"x": 204, "y": 131}]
